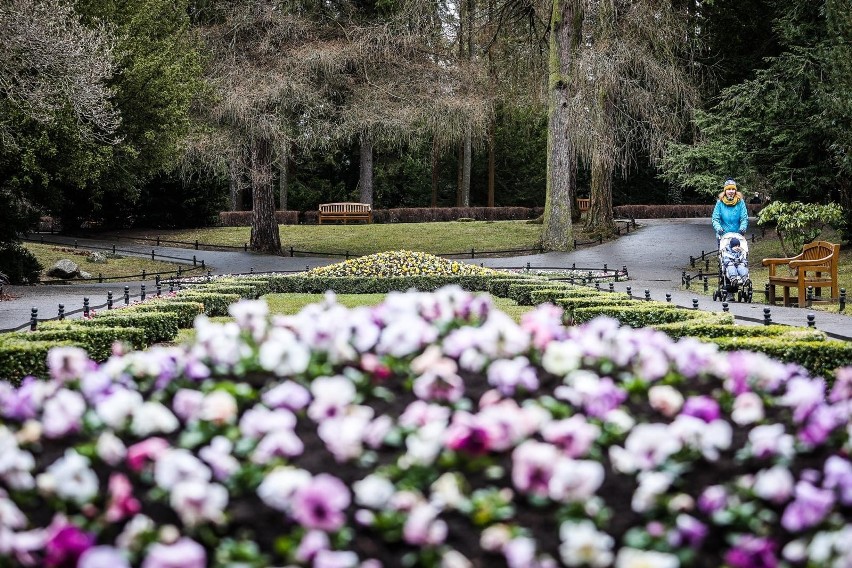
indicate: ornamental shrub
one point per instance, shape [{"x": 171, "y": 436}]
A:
[
  {"x": 18, "y": 264},
  {"x": 404, "y": 434},
  {"x": 20, "y": 358},
  {"x": 185, "y": 311},
  {"x": 215, "y": 304},
  {"x": 158, "y": 326},
  {"x": 95, "y": 339}
]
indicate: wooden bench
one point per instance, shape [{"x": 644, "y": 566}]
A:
[
  {"x": 345, "y": 212},
  {"x": 816, "y": 267},
  {"x": 583, "y": 204}
]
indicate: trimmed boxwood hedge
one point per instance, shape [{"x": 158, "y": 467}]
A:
[
  {"x": 522, "y": 292},
  {"x": 158, "y": 326},
  {"x": 644, "y": 314},
  {"x": 551, "y": 295},
  {"x": 185, "y": 311},
  {"x": 214, "y": 304},
  {"x": 19, "y": 358},
  {"x": 708, "y": 329},
  {"x": 244, "y": 291},
  {"x": 819, "y": 357},
  {"x": 95, "y": 339}
]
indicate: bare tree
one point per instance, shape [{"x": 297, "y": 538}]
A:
[{"x": 50, "y": 62}]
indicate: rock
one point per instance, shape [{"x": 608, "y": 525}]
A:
[
  {"x": 97, "y": 257},
  {"x": 84, "y": 274},
  {"x": 64, "y": 269}
]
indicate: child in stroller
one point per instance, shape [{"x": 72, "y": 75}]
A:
[{"x": 734, "y": 278}]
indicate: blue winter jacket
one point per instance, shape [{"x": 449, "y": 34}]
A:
[{"x": 730, "y": 218}]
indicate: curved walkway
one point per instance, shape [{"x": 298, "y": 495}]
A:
[{"x": 655, "y": 256}]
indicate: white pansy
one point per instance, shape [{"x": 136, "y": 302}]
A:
[
  {"x": 575, "y": 480},
  {"x": 583, "y": 545},
  {"x": 373, "y": 491},
  {"x": 455, "y": 559},
  {"x": 197, "y": 501},
  {"x": 635, "y": 558},
  {"x": 70, "y": 477},
  {"x": 15, "y": 463},
  {"x": 652, "y": 484},
  {"x": 424, "y": 445},
  {"x": 283, "y": 354},
  {"x": 447, "y": 491},
  {"x": 218, "y": 407},
  {"x": 176, "y": 465},
  {"x": 748, "y": 409},
  {"x": 115, "y": 410},
  {"x": 110, "y": 448},
  {"x": 561, "y": 357},
  {"x": 708, "y": 438},
  {"x": 63, "y": 413},
  {"x": 133, "y": 530},
  {"x": 279, "y": 486},
  {"x": 153, "y": 418},
  {"x": 774, "y": 484},
  {"x": 11, "y": 517},
  {"x": 665, "y": 399}
]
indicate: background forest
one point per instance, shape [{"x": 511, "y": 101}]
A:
[{"x": 162, "y": 113}]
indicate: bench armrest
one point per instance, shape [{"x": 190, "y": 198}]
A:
[
  {"x": 823, "y": 262},
  {"x": 776, "y": 261}
]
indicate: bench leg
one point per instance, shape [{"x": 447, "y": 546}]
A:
[
  {"x": 771, "y": 299},
  {"x": 786, "y": 296}
]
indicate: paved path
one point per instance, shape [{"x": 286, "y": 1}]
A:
[{"x": 655, "y": 255}]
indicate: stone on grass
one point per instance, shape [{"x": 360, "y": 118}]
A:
[{"x": 65, "y": 269}]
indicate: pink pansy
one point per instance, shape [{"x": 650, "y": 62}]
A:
[
  {"x": 509, "y": 423},
  {"x": 259, "y": 421},
  {"x": 646, "y": 447},
  {"x": 184, "y": 553},
  {"x": 838, "y": 475},
  {"x": 65, "y": 543},
  {"x": 122, "y": 503},
  {"x": 751, "y": 551},
  {"x": 331, "y": 396},
  {"x": 469, "y": 434},
  {"x": 809, "y": 507},
  {"x": 283, "y": 443},
  {"x": 573, "y": 435},
  {"x": 770, "y": 439},
  {"x": 63, "y": 413},
  {"x": 439, "y": 387},
  {"x": 103, "y": 557},
  {"x": 423, "y": 527},
  {"x": 510, "y": 375},
  {"x": 373, "y": 365},
  {"x": 218, "y": 456},
  {"x": 321, "y": 503},
  {"x": 702, "y": 407},
  {"x": 712, "y": 499},
  {"x": 803, "y": 395},
  {"x": 197, "y": 501},
  {"x": 544, "y": 324},
  {"x": 186, "y": 404},
  {"x": 841, "y": 390},
  {"x": 278, "y": 487},
  {"x": 344, "y": 435},
  {"x": 532, "y": 467},
  {"x": 419, "y": 413},
  {"x": 68, "y": 363},
  {"x": 312, "y": 543},
  {"x": 289, "y": 395}
]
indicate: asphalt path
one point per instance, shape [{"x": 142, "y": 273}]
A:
[{"x": 655, "y": 255}]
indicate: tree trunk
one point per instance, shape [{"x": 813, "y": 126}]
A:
[
  {"x": 284, "y": 180},
  {"x": 264, "y": 228},
  {"x": 558, "y": 231},
  {"x": 460, "y": 172},
  {"x": 436, "y": 172},
  {"x": 600, "y": 219},
  {"x": 366, "y": 178},
  {"x": 491, "y": 161},
  {"x": 465, "y": 189},
  {"x": 235, "y": 174}
]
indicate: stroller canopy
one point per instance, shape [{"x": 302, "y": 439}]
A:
[{"x": 726, "y": 238}]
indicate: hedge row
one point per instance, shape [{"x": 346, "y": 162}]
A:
[
  {"x": 398, "y": 215},
  {"x": 243, "y": 218},
  {"x": 671, "y": 211}
]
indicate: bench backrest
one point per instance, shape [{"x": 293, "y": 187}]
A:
[
  {"x": 820, "y": 249},
  {"x": 344, "y": 208}
]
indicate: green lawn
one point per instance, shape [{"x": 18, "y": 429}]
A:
[
  {"x": 434, "y": 238},
  {"x": 48, "y": 255},
  {"x": 292, "y": 303}
]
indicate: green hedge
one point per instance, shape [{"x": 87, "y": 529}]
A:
[
  {"x": 95, "y": 339},
  {"x": 245, "y": 291},
  {"x": 644, "y": 314},
  {"x": 819, "y": 357},
  {"x": 708, "y": 329},
  {"x": 570, "y": 304},
  {"x": 522, "y": 292},
  {"x": 158, "y": 326},
  {"x": 350, "y": 285},
  {"x": 500, "y": 287},
  {"x": 19, "y": 358},
  {"x": 551, "y": 295},
  {"x": 185, "y": 311},
  {"x": 214, "y": 304}
]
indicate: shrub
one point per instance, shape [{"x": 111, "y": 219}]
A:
[
  {"x": 243, "y": 218},
  {"x": 215, "y": 304},
  {"x": 819, "y": 357},
  {"x": 670, "y": 211},
  {"x": 708, "y": 329},
  {"x": 644, "y": 314},
  {"x": 18, "y": 264},
  {"x": 185, "y": 311},
  {"x": 245, "y": 291},
  {"x": 96, "y": 340},
  {"x": 20, "y": 358},
  {"x": 412, "y": 437},
  {"x": 158, "y": 326}
]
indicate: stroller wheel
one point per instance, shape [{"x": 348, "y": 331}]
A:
[{"x": 716, "y": 296}]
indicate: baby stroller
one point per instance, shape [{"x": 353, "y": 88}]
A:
[{"x": 739, "y": 288}]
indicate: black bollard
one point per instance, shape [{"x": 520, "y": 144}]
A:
[
  {"x": 647, "y": 294},
  {"x": 61, "y": 315},
  {"x": 142, "y": 293},
  {"x": 33, "y": 319},
  {"x": 194, "y": 261},
  {"x": 668, "y": 298},
  {"x": 605, "y": 268},
  {"x": 109, "y": 300},
  {"x": 767, "y": 317},
  {"x": 683, "y": 278},
  {"x": 695, "y": 303},
  {"x": 152, "y": 254},
  {"x": 171, "y": 286},
  {"x": 810, "y": 297},
  {"x": 597, "y": 285},
  {"x": 527, "y": 269},
  {"x": 85, "y": 307},
  {"x": 766, "y": 291},
  {"x": 811, "y": 320},
  {"x": 126, "y": 295},
  {"x": 159, "y": 290},
  {"x": 706, "y": 284},
  {"x": 144, "y": 274},
  {"x": 842, "y": 301},
  {"x": 611, "y": 287},
  {"x": 629, "y": 292},
  {"x": 251, "y": 270},
  {"x": 725, "y": 307},
  {"x": 691, "y": 261},
  {"x": 209, "y": 275}
]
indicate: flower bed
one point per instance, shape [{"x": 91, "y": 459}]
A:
[
  {"x": 428, "y": 431},
  {"x": 400, "y": 263}
]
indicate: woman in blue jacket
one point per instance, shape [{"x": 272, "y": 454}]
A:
[{"x": 730, "y": 214}]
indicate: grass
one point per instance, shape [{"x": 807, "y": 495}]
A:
[
  {"x": 118, "y": 265},
  {"x": 770, "y": 247},
  {"x": 293, "y": 303},
  {"x": 434, "y": 238}
]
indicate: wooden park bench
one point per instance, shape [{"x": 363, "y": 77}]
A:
[
  {"x": 345, "y": 212},
  {"x": 583, "y": 204},
  {"x": 815, "y": 267}
]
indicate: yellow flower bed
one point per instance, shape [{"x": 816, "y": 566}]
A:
[{"x": 401, "y": 263}]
